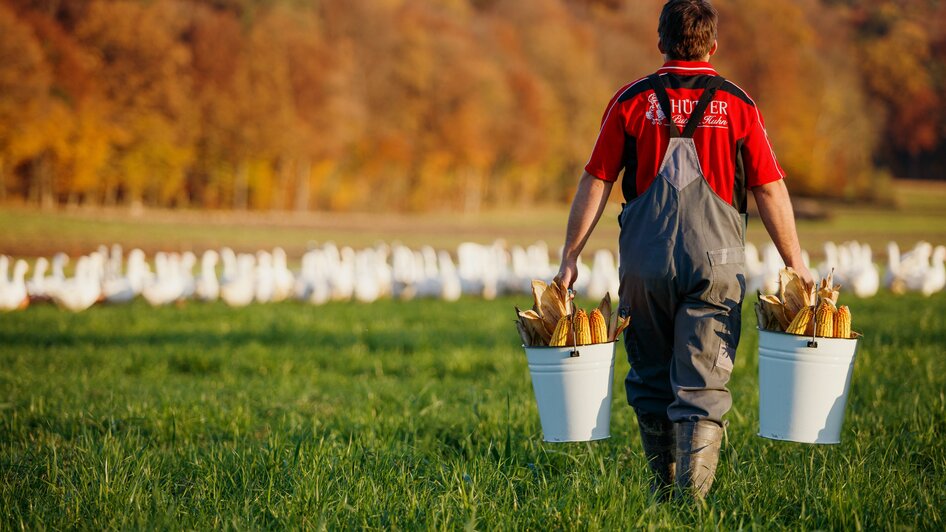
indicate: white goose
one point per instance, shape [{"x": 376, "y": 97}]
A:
[
  {"x": 206, "y": 286},
  {"x": 185, "y": 272},
  {"x": 936, "y": 278},
  {"x": 494, "y": 270},
  {"x": 312, "y": 282},
  {"x": 520, "y": 278},
  {"x": 450, "y": 289},
  {"x": 402, "y": 272},
  {"x": 13, "y": 293},
  {"x": 81, "y": 291},
  {"x": 832, "y": 262},
  {"x": 36, "y": 287},
  {"x": 366, "y": 286},
  {"x": 168, "y": 283},
  {"x": 265, "y": 282},
  {"x": 116, "y": 287},
  {"x": 603, "y": 276},
  {"x": 771, "y": 264},
  {"x": 754, "y": 271},
  {"x": 321, "y": 289},
  {"x": 893, "y": 277},
  {"x": 228, "y": 257},
  {"x": 927, "y": 276},
  {"x": 913, "y": 267},
  {"x": 539, "y": 262},
  {"x": 238, "y": 290},
  {"x": 863, "y": 275},
  {"x": 471, "y": 263},
  {"x": 383, "y": 271},
  {"x": 428, "y": 273},
  {"x": 138, "y": 271},
  {"x": 342, "y": 278},
  {"x": 283, "y": 280}
]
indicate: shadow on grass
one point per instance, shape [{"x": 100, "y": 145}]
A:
[{"x": 373, "y": 341}]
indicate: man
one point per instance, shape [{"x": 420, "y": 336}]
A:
[{"x": 690, "y": 145}]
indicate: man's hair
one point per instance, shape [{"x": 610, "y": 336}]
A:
[{"x": 687, "y": 29}]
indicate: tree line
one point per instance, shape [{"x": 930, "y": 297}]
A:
[{"x": 429, "y": 104}]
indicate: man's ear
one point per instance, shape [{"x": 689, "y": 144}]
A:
[
  {"x": 714, "y": 47},
  {"x": 660, "y": 47}
]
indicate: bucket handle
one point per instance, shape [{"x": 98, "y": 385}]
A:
[
  {"x": 813, "y": 344},
  {"x": 814, "y": 315},
  {"x": 574, "y": 352}
]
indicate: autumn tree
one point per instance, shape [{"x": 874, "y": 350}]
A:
[{"x": 418, "y": 104}]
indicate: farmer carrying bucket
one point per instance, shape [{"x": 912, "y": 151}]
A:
[{"x": 690, "y": 144}]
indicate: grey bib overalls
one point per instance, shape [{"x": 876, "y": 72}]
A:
[{"x": 682, "y": 283}]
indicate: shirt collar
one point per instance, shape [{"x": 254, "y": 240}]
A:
[{"x": 688, "y": 68}]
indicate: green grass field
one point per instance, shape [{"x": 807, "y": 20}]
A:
[{"x": 418, "y": 415}]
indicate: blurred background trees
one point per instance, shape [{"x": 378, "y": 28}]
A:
[{"x": 430, "y": 104}]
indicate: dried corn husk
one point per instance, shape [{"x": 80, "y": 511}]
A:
[
  {"x": 829, "y": 291},
  {"x": 622, "y": 324},
  {"x": 793, "y": 293},
  {"x": 553, "y": 305},
  {"x": 534, "y": 326},
  {"x": 538, "y": 288},
  {"x": 771, "y": 313},
  {"x": 605, "y": 308}
]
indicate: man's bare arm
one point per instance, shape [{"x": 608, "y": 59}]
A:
[
  {"x": 775, "y": 209},
  {"x": 590, "y": 200}
]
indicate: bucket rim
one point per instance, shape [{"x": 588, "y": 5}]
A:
[
  {"x": 783, "y": 333},
  {"x": 550, "y": 347}
]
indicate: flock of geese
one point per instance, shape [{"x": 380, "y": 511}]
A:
[{"x": 332, "y": 273}]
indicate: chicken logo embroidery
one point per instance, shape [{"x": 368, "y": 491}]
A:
[{"x": 654, "y": 113}]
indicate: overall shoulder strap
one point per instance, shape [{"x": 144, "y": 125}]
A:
[
  {"x": 659, "y": 85},
  {"x": 697, "y": 115}
]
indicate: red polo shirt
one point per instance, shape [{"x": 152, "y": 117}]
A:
[{"x": 734, "y": 151}]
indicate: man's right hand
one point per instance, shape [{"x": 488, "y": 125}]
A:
[
  {"x": 805, "y": 275},
  {"x": 567, "y": 273}
]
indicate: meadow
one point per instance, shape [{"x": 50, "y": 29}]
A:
[{"x": 419, "y": 415}]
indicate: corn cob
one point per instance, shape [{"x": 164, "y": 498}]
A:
[
  {"x": 824, "y": 320},
  {"x": 800, "y": 323},
  {"x": 560, "y": 336},
  {"x": 599, "y": 329},
  {"x": 582, "y": 329},
  {"x": 842, "y": 323}
]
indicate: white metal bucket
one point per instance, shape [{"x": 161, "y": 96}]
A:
[
  {"x": 573, "y": 390},
  {"x": 803, "y": 386}
]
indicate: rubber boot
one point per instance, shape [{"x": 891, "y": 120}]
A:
[
  {"x": 658, "y": 442},
  {"x": 697, "y": 455}
]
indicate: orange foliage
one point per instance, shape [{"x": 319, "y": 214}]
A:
[{"x": 411, "y": 104}]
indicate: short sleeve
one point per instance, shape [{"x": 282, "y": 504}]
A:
[
  {"x": 758, "y": 156},
  {"x": 608, "y": 155}
]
